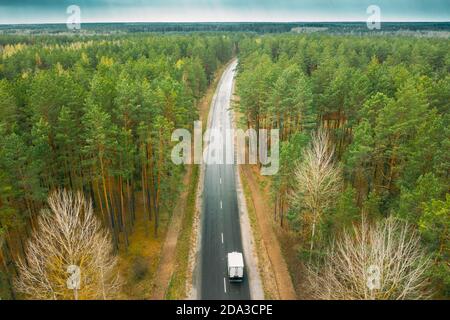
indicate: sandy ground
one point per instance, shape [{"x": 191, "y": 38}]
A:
[
  {"x": 167, "y": 262},
  {"x": 194, "y": 253},
  {"x": 248, "y": 241},
  {"x": 251, "y": 258},
  {"x": 191, "y": 288},
  {"x": 275, "y": 272}
]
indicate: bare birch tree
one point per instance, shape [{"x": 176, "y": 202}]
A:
[
  {"x": 70, "y": 255},
  {"x": 373, "y": 262},
  {"x": 318, "y": 181}
]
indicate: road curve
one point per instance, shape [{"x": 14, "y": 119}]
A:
[{"x": 221, "y": 230}]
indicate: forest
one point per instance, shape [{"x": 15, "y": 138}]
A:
[
  {"x": 95, "y": 115},
  {"x": 249, "y": 27},
  {"x": 381, "y": 107}
]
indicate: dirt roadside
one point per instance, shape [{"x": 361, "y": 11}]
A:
[
  {"x": 274, "y": 270},
  {"x": 168, "y": 261},
  {"x": 194, "y": 251},
  {"x": 166, "y": 265},
  {"x": 248, "y": 234}
]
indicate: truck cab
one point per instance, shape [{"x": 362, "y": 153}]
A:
[{"x": 235, "y": 264}]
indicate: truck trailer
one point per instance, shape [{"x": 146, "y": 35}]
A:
[{"x": 235, "y": 266}]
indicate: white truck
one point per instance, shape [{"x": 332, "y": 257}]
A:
[{"x": 235, "y": 266}]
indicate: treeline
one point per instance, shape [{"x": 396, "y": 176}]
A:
[
  {"x": 384, "y": 102},
  {"x": 96, "y": 115},
  {"x": 255, "y": 27}
]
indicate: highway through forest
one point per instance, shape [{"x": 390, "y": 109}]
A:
[{"x": 221, "y": 230}]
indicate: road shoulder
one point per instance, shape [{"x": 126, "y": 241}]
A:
[
  {"x": 273, "y": 269},
  {"x": 248, "y": 239},
  {"x": 193, "y": 276},
  {"x": 276, "y": 276},
  {"x": 168, "y": 259}
]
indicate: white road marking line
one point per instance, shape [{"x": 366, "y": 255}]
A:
[
  {"x": 224, "y": 285},
  {"x": 222, "y": 237},
  {"x": 220, "y": 180},
  {"x": 220, "y": 204}
]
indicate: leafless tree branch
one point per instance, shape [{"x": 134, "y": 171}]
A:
[
  {"x": 68, "y": 233},
  {"x": 391, "y": 247},
  {"x": 318, "y": 179}
]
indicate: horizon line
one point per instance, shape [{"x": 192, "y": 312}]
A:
[{"x": 225, "y": 22}]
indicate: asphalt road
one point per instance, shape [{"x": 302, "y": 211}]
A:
[{"x": 221, "y": 231}]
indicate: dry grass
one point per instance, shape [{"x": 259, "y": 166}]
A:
[
  {"x": 289, "y": 242},
  {"x": 177, "y": 286},
  {"x": 143, "y": 247},
  {"x": 269, "y": 292}
]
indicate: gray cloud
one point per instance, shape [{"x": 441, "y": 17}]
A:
[{"x": 29, "y": 11}]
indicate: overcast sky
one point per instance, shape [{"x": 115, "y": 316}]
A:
[{"x": 51, "y": 11}]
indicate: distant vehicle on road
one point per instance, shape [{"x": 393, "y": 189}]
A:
[{"x": 235, "y": 266}]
